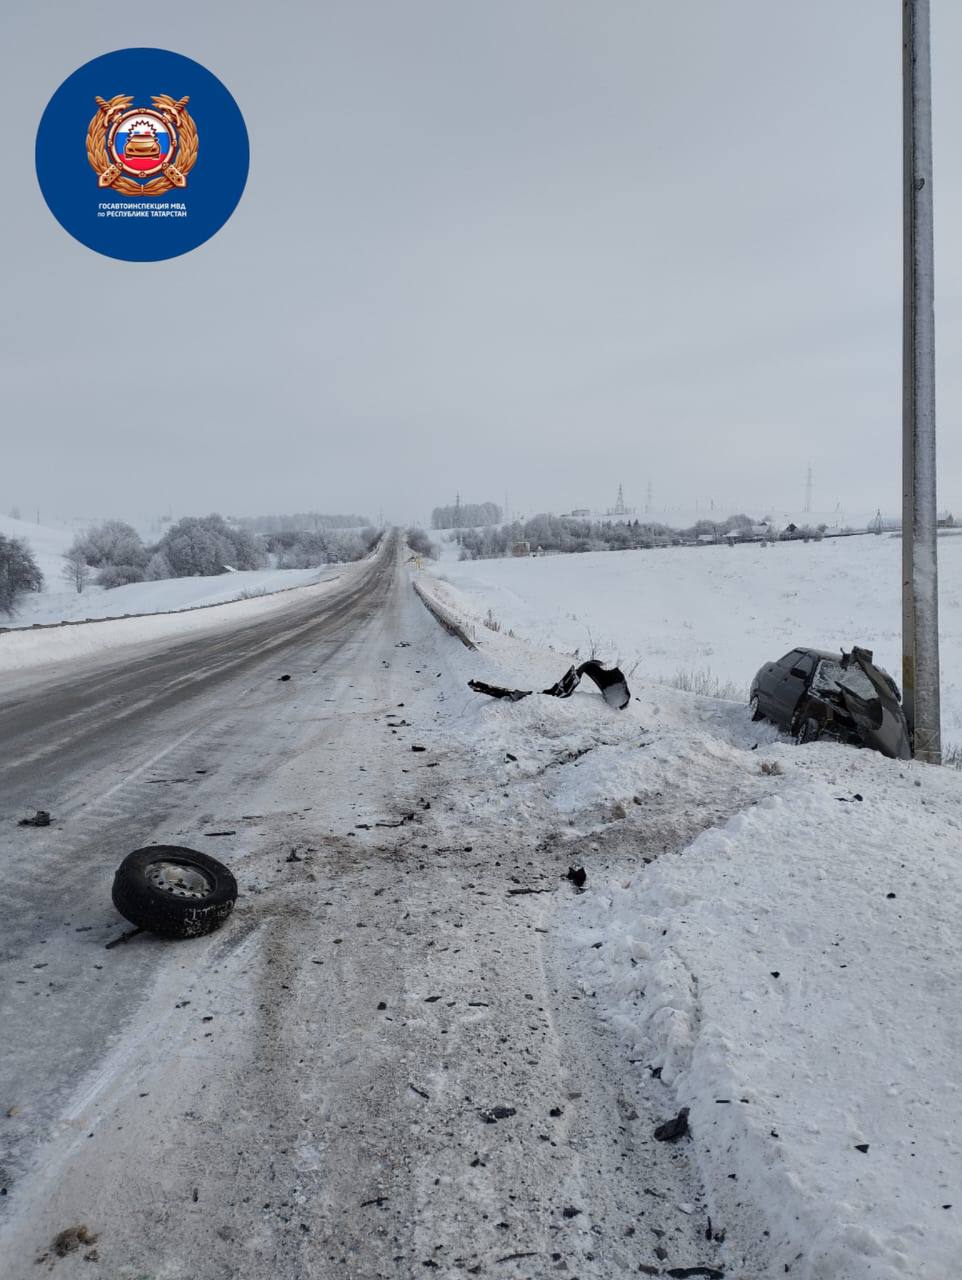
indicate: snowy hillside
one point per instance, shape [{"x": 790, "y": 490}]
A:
[
  {"x": 718, "y": 611},
  {"x": 47, "y": 543},
  {"x": 59, "y": 602}
]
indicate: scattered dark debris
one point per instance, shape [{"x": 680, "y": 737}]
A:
[
  {"x": 683, "y": 1273},
  {"x": 492, "y": 1115},
  {"x": 514, "y": 893},
  {"x": 510, "y": 1257},
  {"x": 512, "y": 758},
  {"x": 403, "y": 644},
  {"x": 847, "y": 799},
  {"x": 209, "y": 834},
  {"x": 862, "y": 1146},
  {"x": 776, "y": 973},
  {"x": 419, "y": 1092},
  {"x": 283, "y": 678},
  {"x": 569, "y": 1211},
  {"x": 431, "y": 999},
  {"x": 611, "y": 682},
  {"x": 382, "y": 1005},
  {"x": 378, "y": 1200},
  {"x": 577, "y": 876},
  {"x": 124, "y": 937},
  {"x": 294, "y": 856},
  {"x": 655, "y": 1073},
  {"x": 415, "y": 747},
  {"x": 672, "y": 1130},
  {"x": 40, "y": 819},
  {"x": 890, "y": 895},
  {"x": 556, "y": 1112}
]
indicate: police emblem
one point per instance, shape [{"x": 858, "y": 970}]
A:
[{"x": 142, "y": 151}]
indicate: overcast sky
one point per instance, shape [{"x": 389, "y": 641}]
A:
[{"x": 522, "y": 246}]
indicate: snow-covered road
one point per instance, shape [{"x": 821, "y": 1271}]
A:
[{"x": 314, "y": 1091}]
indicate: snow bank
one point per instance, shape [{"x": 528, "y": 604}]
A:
[
  {"x": 792, "y": 971},
  {"x": 795, "y": 976},
  {"x": 25, "y": 649}
]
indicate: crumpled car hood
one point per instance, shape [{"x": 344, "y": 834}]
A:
[{"x": 877, "y": 713}]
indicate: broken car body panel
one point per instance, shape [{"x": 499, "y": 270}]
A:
[
  {"x": 811, "y": 692},
  {"x": 610, "y": 681}
]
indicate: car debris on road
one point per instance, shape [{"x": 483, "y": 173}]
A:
[
  {"x": 40, "y": 819},
  {"x": 610, "y": 680},
  {"x": 813, "y": 693}
]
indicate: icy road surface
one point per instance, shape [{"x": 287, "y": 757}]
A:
[{"x": 381, "y": 1065}]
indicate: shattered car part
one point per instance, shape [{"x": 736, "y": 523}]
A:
[
  {"x": 610, "y": 680},
  {"x": 811, "y": 693},
  {"x": 173, "y": 891},
  {"x": 40, "y": 819}
]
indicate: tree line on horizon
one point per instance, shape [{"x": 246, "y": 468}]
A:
[{"x": 113, "y": 554}]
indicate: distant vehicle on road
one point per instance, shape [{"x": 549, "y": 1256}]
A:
[{"x": 812, "y": 693}]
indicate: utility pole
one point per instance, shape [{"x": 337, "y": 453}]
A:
[
  {"x": 920, "y": 595},
  {"x": 808, "y": 489}
]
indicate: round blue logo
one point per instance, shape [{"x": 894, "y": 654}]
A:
[{"x": 142, "y": 154}]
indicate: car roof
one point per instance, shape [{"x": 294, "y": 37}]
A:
[{"x": 816, "y": 653}]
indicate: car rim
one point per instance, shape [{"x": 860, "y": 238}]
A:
[{"x": 179, "y": 880}]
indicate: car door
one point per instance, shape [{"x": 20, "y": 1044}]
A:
[{"x": 797, "y": 669}]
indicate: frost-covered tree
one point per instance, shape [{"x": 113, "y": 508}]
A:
[
  {"x": 76, "y": 570},
  {"x": 112, "y": 543},
  {"x": 119, "y": 575},
  {"x": 421, "y": 544},
  {"x": 19, "y": 573},
  {"x": 200, "y": 546},
  {"x": 157, "y": 568}
]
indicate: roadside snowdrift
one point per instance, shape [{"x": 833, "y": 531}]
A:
[
  {"x": 740, "y": 931},
  {"x": 28, "y": 648}
]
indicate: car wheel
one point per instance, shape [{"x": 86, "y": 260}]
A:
[
  {"x": 173, "y": 891},
  {"x": 807, "y": 728},
  {"x": 753, "y": 708}
]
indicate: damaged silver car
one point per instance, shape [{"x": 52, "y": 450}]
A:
[{"x": 812, "y": 693}]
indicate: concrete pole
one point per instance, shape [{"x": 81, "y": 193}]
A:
[{"x": 920, "y": 598}]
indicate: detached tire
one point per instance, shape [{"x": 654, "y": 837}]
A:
[{"x": 176, "y": 892}]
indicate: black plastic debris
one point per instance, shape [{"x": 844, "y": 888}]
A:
[
  {"x": 672, "y": 1130},
  {"x": 493, "y": 1114},
  {"x": 283, "y": 678},
  {"x": 611, "y": 681},
  {"x": 687, "y": 1273},
  {"x": 40, "y": 819},
  {"x": 577, "y": 876}
]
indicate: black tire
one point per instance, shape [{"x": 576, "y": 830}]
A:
[
  {"x": 807, "y": 727},
  {"x": 151, "y": 891},
  {"x": 753, "y": 708}
]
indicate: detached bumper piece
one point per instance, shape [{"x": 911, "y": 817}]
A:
[{"x": 610, "y": 681}]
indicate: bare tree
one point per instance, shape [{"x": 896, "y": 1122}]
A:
[{"x": 76, "y": 570}]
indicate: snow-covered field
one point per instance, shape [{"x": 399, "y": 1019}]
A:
[
  {"x": 772, "y": 929},
  {"x": 717, "y": 610}
]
